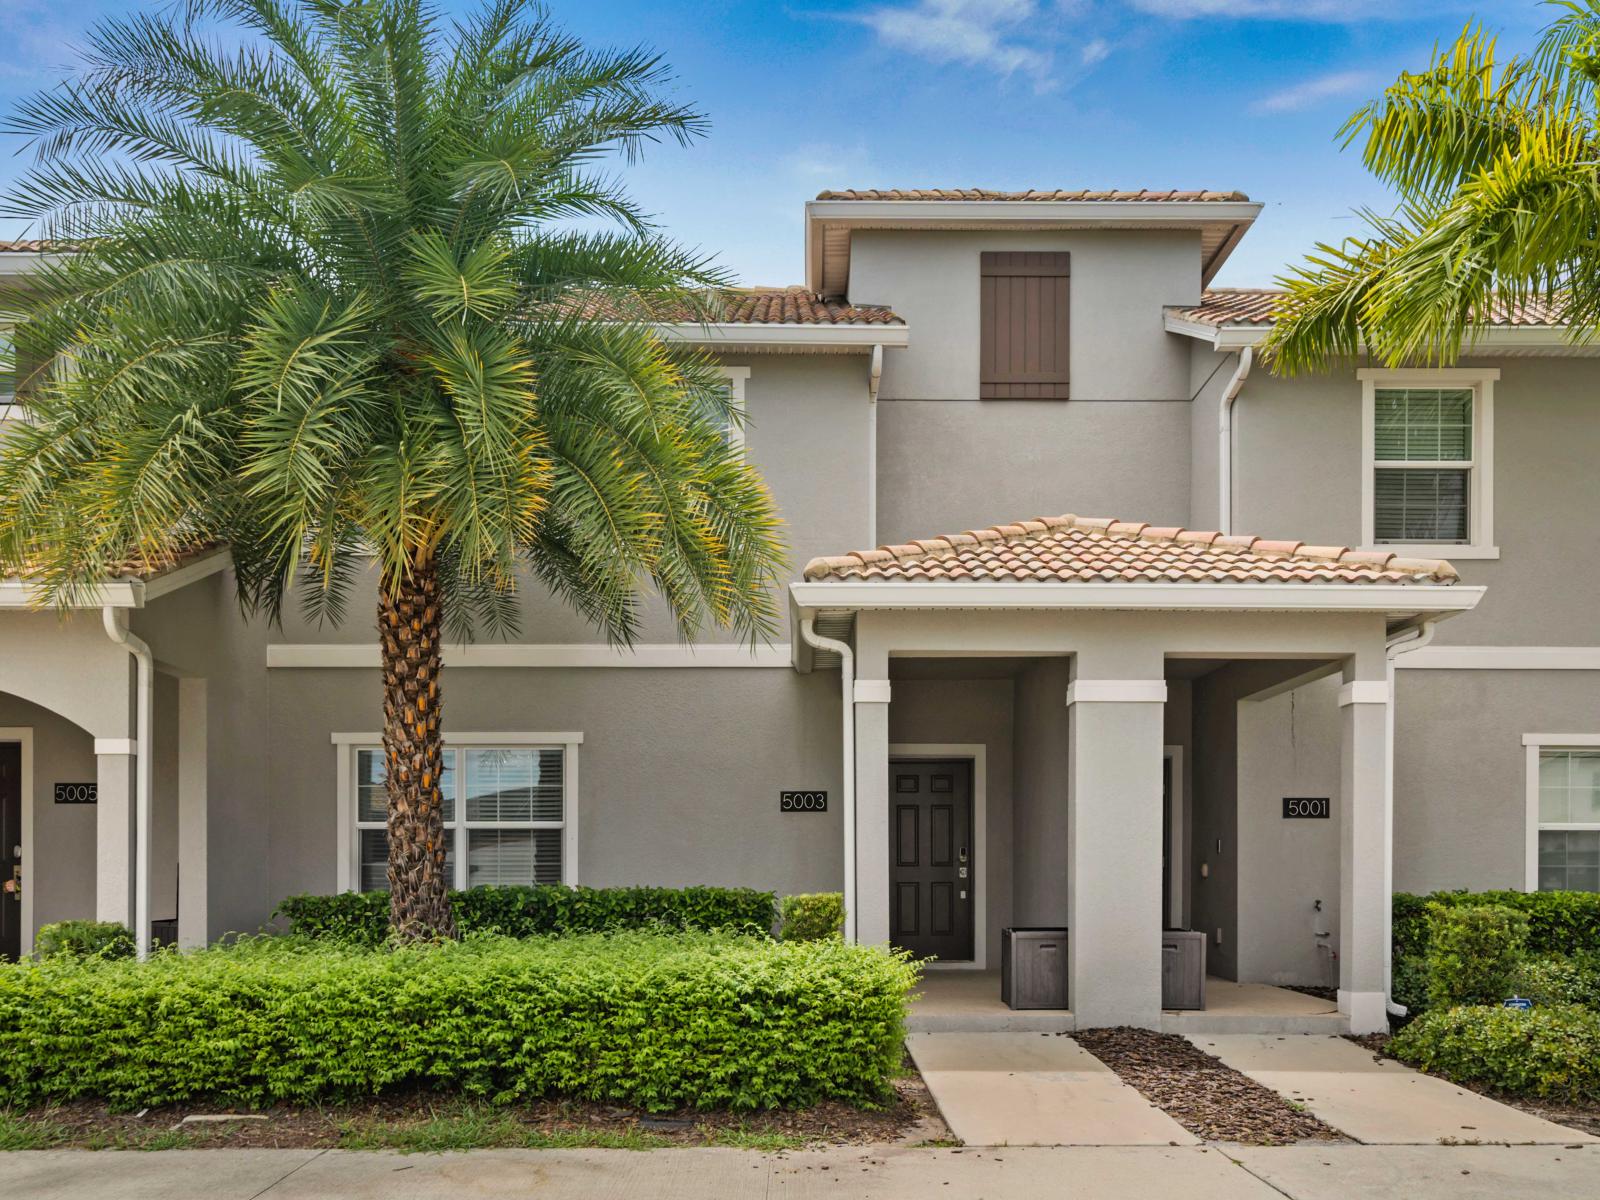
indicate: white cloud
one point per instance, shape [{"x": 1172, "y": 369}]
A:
[
  {"x": 1338, "y": 11},
  {"x": 978, "y": 33},
  {"x": 1095, "y": 51},
  {"x": 1310, "y": 92}
]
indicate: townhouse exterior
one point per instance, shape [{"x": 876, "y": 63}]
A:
[{"x": 1038, "y": 671}]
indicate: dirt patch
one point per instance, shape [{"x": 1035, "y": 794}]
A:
[
  {"x": 1585, "y": 1118},
  {"x": 1208, "y": 1098},
  {"x": 1329, "y": 994},
  {"x": 434, "y": 1121}
]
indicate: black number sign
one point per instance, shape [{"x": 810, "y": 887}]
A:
[
  {"x": 1315, "y": 807},
  {"x": 802, "y": 801},
  {"x": 77, "y": 793}
]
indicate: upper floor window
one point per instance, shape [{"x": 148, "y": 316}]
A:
[
  {"x": 1024, "y": 338},
  {"x": 1428, "y": 473},
  {"x": 8, "y": 373},
  {"x": 509, "y": 810},
  {"x": 1564, "y": 813},
  {"x": 733, "y": 431}
]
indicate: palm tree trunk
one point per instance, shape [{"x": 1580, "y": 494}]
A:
[{"x": 409, "y": 622}]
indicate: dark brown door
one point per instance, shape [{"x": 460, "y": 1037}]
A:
[
  {"x": 932, "y": 868},
  {"x": 11, "y": 848}
]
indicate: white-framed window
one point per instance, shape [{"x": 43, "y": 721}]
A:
[
  {"x": 510, "y": 809},
  {"x": 736, "y": 377},
  {"x": 1428, "y": 461},
  {"x": 8, "y": 374},
  {"x": 1563, "y": 799}
]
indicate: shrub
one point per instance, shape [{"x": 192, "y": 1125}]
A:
[
  {"x": 84, "y": 939},
  {"x": 1548, "y": 1052},
  {"x": 1473, "y": 953},
  {"x": 1408, "y": 984},
  {"x": 648, "y": 1019},
  {"x": 362, "y": 918},
  {"x": 1558, "y": 922},
  {"x": 812, "y": 916},
  {"x": 1555, "y": 979}
]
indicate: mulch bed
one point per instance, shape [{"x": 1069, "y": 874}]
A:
[
  {"x": 1583, "y": 1117},
  {"x": 1199, "y": 1092}
]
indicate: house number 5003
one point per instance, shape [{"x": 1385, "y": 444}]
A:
[{"x": 802, "y": 801}]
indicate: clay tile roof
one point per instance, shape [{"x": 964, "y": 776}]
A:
[
  {"x": 1104, "y": 550},
  {"x": 1258, "y": 306},
  {"x": 744, "y": 306},
  {"x": 1031, "y": 194},
  {"x": 135, "y": 567},
  {"x": 25, "y": 246}
]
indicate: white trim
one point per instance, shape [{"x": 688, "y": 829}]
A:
[
  {"x": 127, "y": 746},
  {"x": 1404, "y": 599},
  {"x": 737, "y": 377},
  {"x": 115, "y": 593},
  {"x": 1502, "y": 658},
  {"x": 346, "y": 847},
  {"x": 1178, "y": 843},
  {"x": 1364, "y": 691},
  {"x": 978, "y": 753},
  {"x": 189, "y": 573},
  {"x": 1480, "y": 468},
  {"x": 664, "y": 655},
  {"x": 1533, "y": 744},
  {"x": 945, "y": 214},
  {"x": 24, "y": 735},
  {"x": 750, "y": 335},
  {"x": 1116, "y": 691},
  {"x": 872, "y": 691},
  {"x": 1482, "y": 340}
]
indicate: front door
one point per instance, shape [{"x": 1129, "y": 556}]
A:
[
  {"x": 932, "y": 868},
  {"x": 11, "y": 849}
]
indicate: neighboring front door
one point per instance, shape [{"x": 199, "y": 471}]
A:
[
  {"x": 932, "y": 868},
  {"x": 11, "y": 848}
]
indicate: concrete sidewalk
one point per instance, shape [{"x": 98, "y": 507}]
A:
[{"x": 1308, "y": 1172}]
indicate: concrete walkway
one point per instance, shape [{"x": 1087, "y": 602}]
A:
[
  {"x": 1333, "y": 1172},
  {"x": 1032, "y": 1089},
  {"x": 1378, "y": 1101}
]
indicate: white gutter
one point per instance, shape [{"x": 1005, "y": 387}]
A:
[
  {"x": 1247, "y": 358},
  {"x": 116, "y": 623},
  {"x": 874, "y": 380},
  {"x": 1413, "y": 637},
  {"x": 847, "y": 704}
]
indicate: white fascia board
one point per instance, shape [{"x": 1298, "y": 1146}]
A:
[
  {"x": 24, "y": 262},
  {"x": 118, "y": 593},
  {"x": 1520, "y": 337},
  {"x": 742, "y": 335},
  {"x": 190, "y": 572},
  {"x": 350, "y": 655},
  {"x": 1125, "y": 214},
  {"x": 1178, "y": 597}
]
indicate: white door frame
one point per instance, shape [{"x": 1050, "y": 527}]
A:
[
  {"x": 1178, "y": 847},
  {"x": 978, "y": 754},
  {"x": 24, "y": 735}
]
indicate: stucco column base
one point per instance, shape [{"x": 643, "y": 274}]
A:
[
  {"x": 114, "y": 831},
  {"x": 1367, "y": 1012}
]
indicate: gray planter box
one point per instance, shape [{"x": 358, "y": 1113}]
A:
[
  {"x": 1183, "y": 969},
  {"x": 1033, "y": 968}
]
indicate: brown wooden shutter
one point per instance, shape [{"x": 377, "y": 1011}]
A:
[{"x": 1024, "y": 342}]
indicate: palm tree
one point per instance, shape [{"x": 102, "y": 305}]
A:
[
  {"x": 1497, "y": 164},
  {"x": 328, "y": 306}
]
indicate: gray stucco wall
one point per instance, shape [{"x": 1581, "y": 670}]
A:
[
  {"x": 1460, "y": 796},
  {"x": 1209, "y": 373},
  {"x": 1546, "y": 441},
  {"x": 1039, "y": 867},
  {"x": 1120, "y": 282},
  {"x": 971, "y": 711},
  {"x": 679, "y": 771},
  {"x": 62, "y": 867}
]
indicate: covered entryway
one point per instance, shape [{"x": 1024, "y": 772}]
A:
[
  {"x": 932, "y": 905},
  {"x": 1097, "y": 610}
]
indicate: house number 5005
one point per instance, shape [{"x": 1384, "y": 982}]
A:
[{"x": 802, "y": 801}]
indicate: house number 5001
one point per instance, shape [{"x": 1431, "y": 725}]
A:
[{"x": 802, "y": 801}]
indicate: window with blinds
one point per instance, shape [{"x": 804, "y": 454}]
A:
[
  {"x": 1024, "y": 338},
  {"x": 1569, "y": 820},
  {"x": 1422, "y": 465},
  {"x": 504, "y": 815}
]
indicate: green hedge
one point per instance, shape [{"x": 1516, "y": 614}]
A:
[
  {"x": 811, "y": 916},
  {"x": 1548, "y": 1052},
  {"x": 655, "y": 1020},
  {"x": 84, "y": 939},
  {"x": 1565, "y": 923},
  {"x": 1474, "y": 953},
  {"x": 362, "y": 918}
]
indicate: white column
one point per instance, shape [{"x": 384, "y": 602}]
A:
[
  {"x": 1363, "y": 904},
  {"x": 115, "y": 763},
  {"x": 872, "y": 811},
  {"x": 1116, "y": 743},
  {"x": 192, "y": 837}
]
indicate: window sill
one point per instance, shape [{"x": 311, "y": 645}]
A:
[{"x": 1447, "y": 551}]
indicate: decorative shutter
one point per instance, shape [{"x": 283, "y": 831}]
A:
[{"x": 1024, "y": 339}]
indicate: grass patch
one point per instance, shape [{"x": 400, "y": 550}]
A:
[
  {"x": 741, "y": 1138},
  {"x": 24, "y": 1132},
  {"x": 470, "y": 1125}
]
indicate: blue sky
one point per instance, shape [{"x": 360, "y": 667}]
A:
[{"x": 810, "y": 94}]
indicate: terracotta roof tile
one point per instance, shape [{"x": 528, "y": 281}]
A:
[
  {"x": 25, "y": 246},
  {"x": 1258, "y": 307},
  {"x": 747, "y": 306},
  {"x": 1031, "y": 194},
  {"x": 1073, "y": 549}
]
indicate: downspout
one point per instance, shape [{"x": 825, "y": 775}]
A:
[
  {"x": 1412, "y": 637},
  {"x": 874, "y": 379},
  {"x": 1247, "y": 357},
  {"x": 116, "y": 623},
  {"x": 847, "y": 677}
]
